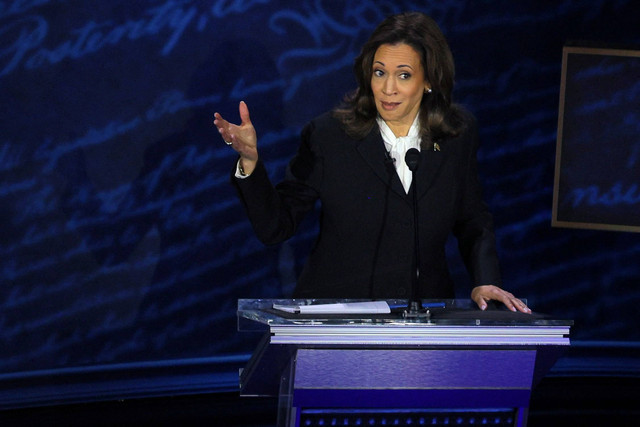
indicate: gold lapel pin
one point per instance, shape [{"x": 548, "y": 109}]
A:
[{"x": 436, "y": 146}]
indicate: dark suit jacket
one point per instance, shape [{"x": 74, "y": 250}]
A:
[{"x": 365, "y": 245}]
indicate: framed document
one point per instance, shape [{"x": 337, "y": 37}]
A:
[{"x": 597, "y": 174}]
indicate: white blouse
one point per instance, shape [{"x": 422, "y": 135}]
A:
[{"x": 398, "y": 146}]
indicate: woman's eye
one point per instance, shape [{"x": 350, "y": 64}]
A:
[
  {"x": 378, "y": 73},
  {"x": 405, "y": 76}
]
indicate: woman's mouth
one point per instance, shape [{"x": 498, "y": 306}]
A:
[{"x": 388, "y": 106}]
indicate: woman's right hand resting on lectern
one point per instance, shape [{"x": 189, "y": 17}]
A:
[{"x": 241, "y": 138}]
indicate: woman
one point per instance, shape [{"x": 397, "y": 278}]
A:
[{"x": 353, "y": 160}]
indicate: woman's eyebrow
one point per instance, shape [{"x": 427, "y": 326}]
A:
[{"x": 399, "y": 66}]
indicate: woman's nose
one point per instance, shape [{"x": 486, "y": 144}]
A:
[{"x": 389, "y": 87}]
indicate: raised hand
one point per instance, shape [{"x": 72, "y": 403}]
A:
[{"x": 241, "y": 138}]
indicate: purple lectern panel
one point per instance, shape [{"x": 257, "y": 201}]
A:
[
  {"x": 449, "y": 369},
  {"x": 413, "y": 378}
]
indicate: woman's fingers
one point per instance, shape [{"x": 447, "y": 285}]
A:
[
  {"x": 242, "y": 138},
  {"x": 482, "y": 294},
  {"x": 244, "y": 114}
]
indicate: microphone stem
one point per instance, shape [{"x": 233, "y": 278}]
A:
[
  {"x": 416, "y": 303},
  {"x": 414, "y": 309}
]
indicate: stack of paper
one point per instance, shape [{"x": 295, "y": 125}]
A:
[{"x": 368, "y": 307}]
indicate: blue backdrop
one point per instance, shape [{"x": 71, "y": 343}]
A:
[{"x": 122, "y": 242}]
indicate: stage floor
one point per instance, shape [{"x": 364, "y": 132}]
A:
[{"x": 583, "y": 401}]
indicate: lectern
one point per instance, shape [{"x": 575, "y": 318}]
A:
[{"x": 456, "y": 366}]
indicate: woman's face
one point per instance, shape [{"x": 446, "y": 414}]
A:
[{"x": 398, "y": 85}]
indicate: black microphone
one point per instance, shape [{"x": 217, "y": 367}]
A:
[
  {"x": 412, "y": 159},
  {"x": 414, "y": 308}
]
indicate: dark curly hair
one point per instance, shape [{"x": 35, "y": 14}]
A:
[{"x": 439, "y": 117}]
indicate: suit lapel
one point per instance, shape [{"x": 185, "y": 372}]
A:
[
  {"x": 373, "y": 152},
  {"x": 431, "y": 161}
]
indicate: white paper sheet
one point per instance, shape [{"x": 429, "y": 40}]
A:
[{"x": 367, "y": 307}]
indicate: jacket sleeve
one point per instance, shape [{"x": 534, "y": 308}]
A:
[
  {"x": 473, "y": 227},
  {"x": 276, "y": 211}
]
